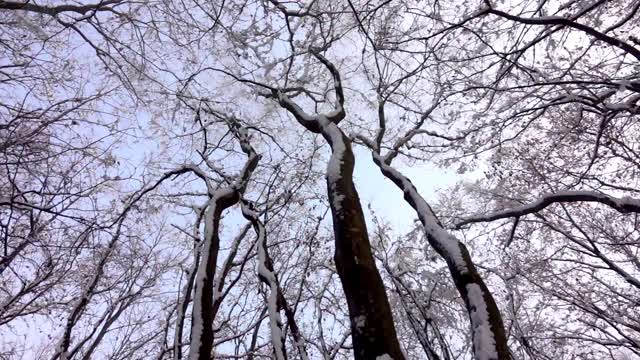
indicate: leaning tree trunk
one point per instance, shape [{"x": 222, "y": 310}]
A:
[
  {"x": 276, "y": 300},
  {"x": 372, "y": 327},
  {"x": 488, "y": 333},
  {"x": 203, "y": 310},
  {"x": 204, "y": 307}
]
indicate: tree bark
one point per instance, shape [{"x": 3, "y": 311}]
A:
[
  {"x": 204, "y": 309},
  {"x": 372, "y": 327},
  {"x": 488, "y": 333},
  {"x": 202, "y": 325}
]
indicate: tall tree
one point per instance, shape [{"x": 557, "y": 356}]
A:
[{"x": 136, "y": 219}]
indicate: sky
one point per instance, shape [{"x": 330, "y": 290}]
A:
[{"x": 386, "y": 199}]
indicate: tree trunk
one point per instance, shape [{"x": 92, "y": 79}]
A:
[
  {"x": 488, "y": 334},
  {"x": 203, "y": 310},
  {"x": 372, "y": 328}
]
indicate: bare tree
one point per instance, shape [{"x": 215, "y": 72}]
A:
[{"x": 168, "y": 167}]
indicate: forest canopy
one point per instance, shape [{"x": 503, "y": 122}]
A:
[{"x": 179, "y": 179}]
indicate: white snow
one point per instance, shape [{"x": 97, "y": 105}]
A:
[
  {"x": 275, "y": 321},
  {"x": 560, "y": 196},
  {"x": 334, "y": 167},
  {"x": 384, "y": 357},
  {"x": 630, "y": 201},
  {"x": 180, "y": 315},
  {"x": 336, "y": 139},
  {"x": 484, "y": 344},
  {"x": 336, "y": 200},
  {"x": 283, "y": 98},
  {"x": 337, "y": 149},
  {"x": 360, "y": 322},
  {"x": 197, "y": 325}
]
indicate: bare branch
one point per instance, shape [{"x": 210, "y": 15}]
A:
[{"x": 623, "y": 205}]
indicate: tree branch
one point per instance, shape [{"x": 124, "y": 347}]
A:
[
  {"x": 557, "y": 20},
  {"x": 55, "y": 10},
  {"x": 624, "y": 205}
]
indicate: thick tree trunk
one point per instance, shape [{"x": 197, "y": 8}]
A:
[
  {"x": 203, "y": 309},
  {"x": 372, "y": 328}
]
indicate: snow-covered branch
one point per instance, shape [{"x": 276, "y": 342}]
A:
[
  {"x": 488, "y": 333},
  {"x": 338, "y": 114},
  {"x": 372, "y": 327},
  {"x": 58, "y": 9},
  {"x": 203, "y": 303},
  {"x": 267, "y": 275},
  {"x": 562, "y": 21},
  {"x": 623, "y": 205}
]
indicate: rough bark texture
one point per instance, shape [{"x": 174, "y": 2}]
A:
[
  {"x": 372, "y": 326},
  {"x": 372, "y": 329}
]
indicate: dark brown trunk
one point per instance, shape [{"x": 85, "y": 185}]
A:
[
  {"x": 372, "y": 327},
  {"x": 206, "y": 296}
]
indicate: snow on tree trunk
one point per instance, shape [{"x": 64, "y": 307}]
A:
[
  {"x": 202, "y": 323},
  {"x": 372, "y": 326},
  {"x": 183, "y": 303},
  {"x": 203, "y": 301},
  {"x": 267, "y": 276},
  {"x": 488, "y": 334}
]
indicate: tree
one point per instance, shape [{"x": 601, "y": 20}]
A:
[{"x": 168, "y": 168}]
